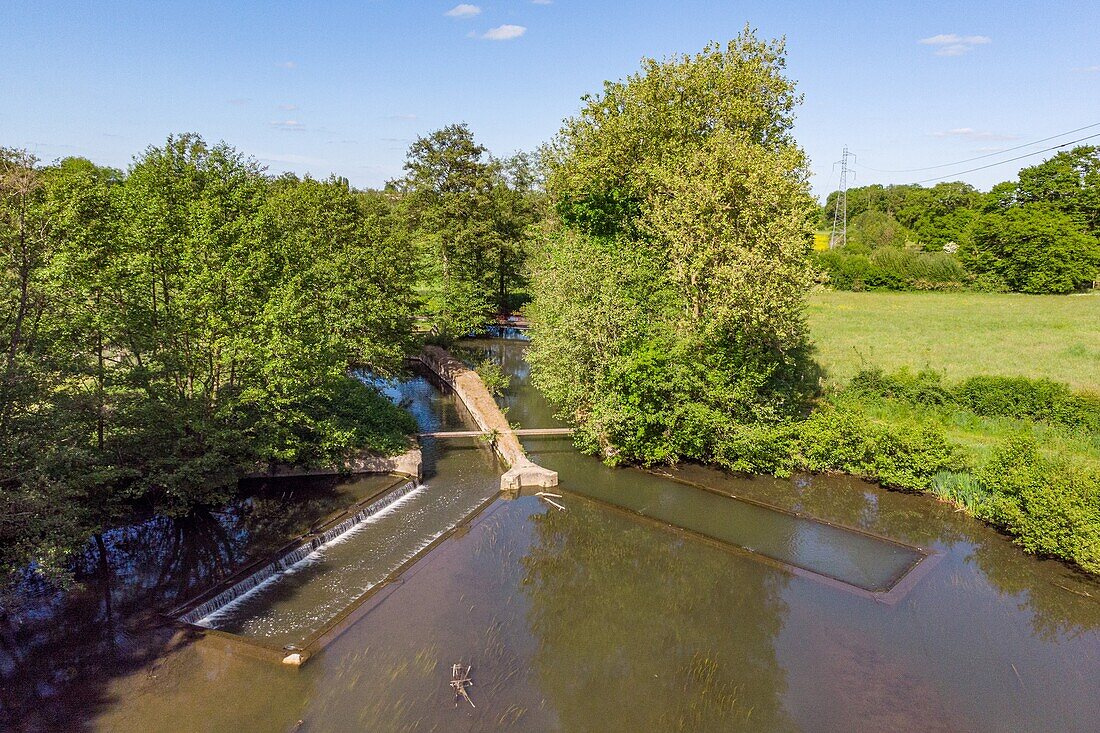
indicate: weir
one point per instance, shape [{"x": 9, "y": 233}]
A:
[
  {"x": 289, "y": 606},
  {"x": 299, "y": 600},
  {"x": 522, "y": 471},
  {"x": 207, "y": 612}
]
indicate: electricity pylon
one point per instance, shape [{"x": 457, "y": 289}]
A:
[{"x": 839, "y": 235}]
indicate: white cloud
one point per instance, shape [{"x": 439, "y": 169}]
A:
[
  {"x": 969, "y": 133},
  {"x": 1089, "y": 69},
  {"x": 542, "y": 2},
  {"x": 952, "y": 44},
  {"x": 288, "y": 107},
  {"x": 402, "y": 118},
  {"x": 289, "y": 158},
  {"x": 239, "y": 101},
  {"x": 288, "y": 65},
  {"x": 291, "y": 125},
  {"x": 504, "y": 32},
  {"x": 464, "y": 10}
]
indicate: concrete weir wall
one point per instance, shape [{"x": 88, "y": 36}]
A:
[
  {"x": 522, "y": 471},
  {"x": 409, "y": 463}
]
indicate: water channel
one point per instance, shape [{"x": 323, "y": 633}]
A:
[{"x": 599, "y": 617}]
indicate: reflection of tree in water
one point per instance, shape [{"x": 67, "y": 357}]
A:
[
  {"x": 62, "y": 643},
  {"x": 1063, "y": 602},
  {"x": 59, "y": 646},
  {"x": 651, "y": 630},
  {"x": 910, "y": 518}
]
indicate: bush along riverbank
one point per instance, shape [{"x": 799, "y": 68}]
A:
[{"x": 1021, "y": 454}]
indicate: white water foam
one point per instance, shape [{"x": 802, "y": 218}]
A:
[{"x": 305, "y": 555}]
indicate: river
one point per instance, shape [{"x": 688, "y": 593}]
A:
[{"x": 587, "y": 618}]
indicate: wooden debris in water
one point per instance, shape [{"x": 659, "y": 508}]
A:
[
  {"x": 460, "y": 680},
  {"x": 546, "y": 497}
]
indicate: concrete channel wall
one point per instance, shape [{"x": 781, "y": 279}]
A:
[{"x": 522, "y": 471}]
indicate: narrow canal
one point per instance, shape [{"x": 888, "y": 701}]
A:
[{"x": 598, "y": 617}]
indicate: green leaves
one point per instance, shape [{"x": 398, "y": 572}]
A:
[
  {"x": 468, "y": 214},
  {"x": 669, "y": 305},
  {"x": 1034, "y": 248},
  {"x": 167, "y": 330}
]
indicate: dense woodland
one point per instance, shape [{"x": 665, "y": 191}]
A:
[
  {"x": 169, "y": 328},
  {"x": 1037, "y": 234}
]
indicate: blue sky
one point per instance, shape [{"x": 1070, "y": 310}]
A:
[{"x": 344, "y": 86}]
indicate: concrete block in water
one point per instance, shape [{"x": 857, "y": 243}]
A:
[{"x": 530, "y": 475}]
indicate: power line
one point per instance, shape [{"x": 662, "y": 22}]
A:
[
  {"x": 979, "y": 157},
  {"x": 1018, "y": 157}
]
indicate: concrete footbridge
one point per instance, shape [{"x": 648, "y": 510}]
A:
[
  {"x": 465, "y": 382},
  {"x": 530, "y": 432}
]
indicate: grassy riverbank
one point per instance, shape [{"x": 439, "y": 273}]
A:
[
  {"x": 989, "y": 401},
  {"x": 960, "y": 334}
]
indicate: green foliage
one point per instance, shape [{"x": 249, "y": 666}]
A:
[
  {"x": 1030, "y": 399},
  {"x": 925, "y": 387},
  {"x": 469, "y": 216},
  {"x": 839, "y": 437},
  {"x": 934, "y": 217},
  {"x": 668, "y": 304},
  {"x": 1034, "y": 248},
  {"x": 493, "y": 375},
  {"x": 873, "y": 229},
  {"x": 1051, "y": 507},
  {"x": 1048, "y": 498},
  {"x": 1019, "y": 398},
  {"x": 1070, "y": 181},
  {"x": 1040, "y": 234},
  {"x": 604, "y": 164},
  {"x": 962, "y": 489},
  {"x": 168, "y": 329},
  {"x": 890, "y": 268}
]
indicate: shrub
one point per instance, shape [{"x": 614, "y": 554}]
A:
[
  {"x": 924, "y": 387},
  {"x": 1051, "y": 507},
  {"x": 760, "y": 448},
  {"x": 891, "y": 268},
  {"x": 840, "y": 438},
  {"x": 493, "y": 376},
  {"x": 1019, "y": 398},
  {"x": 1034, "y": 399}
]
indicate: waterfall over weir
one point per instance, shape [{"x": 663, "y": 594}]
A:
[{"x": 304, "y": 554}]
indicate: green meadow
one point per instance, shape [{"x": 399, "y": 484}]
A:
[{"x": 959, "y": 334}]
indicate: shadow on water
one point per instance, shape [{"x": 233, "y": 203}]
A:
[{"x": 60, "y": 647}]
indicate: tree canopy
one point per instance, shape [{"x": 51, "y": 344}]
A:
[
  {"x": 169, "y": 328},
  {"x": 1034, "y": 235},
  {"x": 468, "y": 213},
  {"x": 668, "y": 300}
]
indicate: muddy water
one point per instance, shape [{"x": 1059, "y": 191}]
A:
[
  {"x": 591, "y": 620},
  {"x": 458, "y": 479}
]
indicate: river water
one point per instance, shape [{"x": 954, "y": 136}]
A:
[{"x": 595, "y": 618}]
